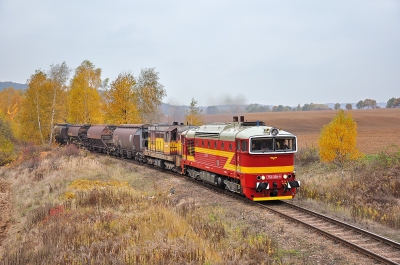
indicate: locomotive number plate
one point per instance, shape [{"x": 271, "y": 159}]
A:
[{"x": 274, "y": 176}]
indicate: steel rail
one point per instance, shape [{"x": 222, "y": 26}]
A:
[{"x": 368, "y": 252}]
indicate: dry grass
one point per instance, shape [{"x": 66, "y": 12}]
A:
[
  {"x": 89, "y": 210},
  {"x": 368, "y": 191}
]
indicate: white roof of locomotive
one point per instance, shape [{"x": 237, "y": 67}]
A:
[{"x": 232, "y": 131}]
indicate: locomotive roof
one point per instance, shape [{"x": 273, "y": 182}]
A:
[{"x": 232, "y": 131}]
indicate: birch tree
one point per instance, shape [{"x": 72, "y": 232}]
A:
[
  {"x": 122, "y": 101},
  {"x": 58, "y": 77},
  {"x": 338, "y": 140},
  {"x": 85, "y": 103},
  {"x": 34, "y": 114},
  {"x": 150, "y": 93},
  {"x": 193, "y": 114}
]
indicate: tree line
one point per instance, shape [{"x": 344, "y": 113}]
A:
[
  {"x": 53, "y": 97},
  {"x": 255, "y": 107}
]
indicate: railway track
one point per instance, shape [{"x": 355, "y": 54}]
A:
[{"x": 381, "y": 249}]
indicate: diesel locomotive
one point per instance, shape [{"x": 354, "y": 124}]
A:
[{"x": 245, "y": 157}]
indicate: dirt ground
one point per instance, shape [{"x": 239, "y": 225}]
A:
[{"x": 377, "y": 128}]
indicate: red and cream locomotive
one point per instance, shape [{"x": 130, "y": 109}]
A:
[{"x": 244, "y": 157}]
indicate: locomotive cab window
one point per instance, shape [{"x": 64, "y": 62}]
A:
[
  {"x": 285, "y": 144},
  {"x": 263, "y": 144}
]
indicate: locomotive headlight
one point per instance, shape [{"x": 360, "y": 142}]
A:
[
  {"x": 285, "y": 176},
  {"x": 263, "y": 177},
  {"x": 274, "y": 131}
]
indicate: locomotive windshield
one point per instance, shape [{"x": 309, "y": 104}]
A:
[{"x": 262, "y": 145}]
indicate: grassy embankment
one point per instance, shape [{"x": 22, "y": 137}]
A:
[
  {"x": 368, "y": 191},
  {"x": 70, "y": 207}
]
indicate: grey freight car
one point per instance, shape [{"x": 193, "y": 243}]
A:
[{"x": 130, "y": 139}]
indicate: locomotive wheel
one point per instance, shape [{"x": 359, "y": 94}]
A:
[{"x": 220, "y": 182}]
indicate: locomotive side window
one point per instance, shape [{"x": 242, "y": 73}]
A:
[
  {"x": 202, "y": 143},
  {"x": 230, "y": 147},
  {"x": 208, "y": 144},
  {"x": 215, "y": 145},
  {"x": 174, "y": 135},
  {"x": 244, "y": 146},
  {"x": 222, "y": 146}
]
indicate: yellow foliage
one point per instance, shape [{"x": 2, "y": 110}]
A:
[
  {"x": 68, "y": 195},
  {"x": 338, "y": 140},
  {"x": 34, "y": 115},
  {"x": 122, "y": 101},
  {"x": 6, "y": 146},
  {"x": 85, "y": 103},
  {"x": 10, "y": 99},
  {"x": 12, "y": 111}
]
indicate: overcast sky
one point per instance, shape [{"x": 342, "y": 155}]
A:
[{"x": 217, "y": 52}]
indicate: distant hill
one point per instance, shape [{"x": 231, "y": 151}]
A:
[
  {"x": 8, "y": 84},
  {"x": 179, "y": 111}
]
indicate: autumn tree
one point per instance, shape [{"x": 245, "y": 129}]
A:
[
  {"x": 393, "y": 103},
  {"x": 360, "y": 104},
  {"x": 150, "y": 93},
  {"x": 349, "y": 106},
  {"x": 85, "y": 103},
  {"x": 34, "y": 117},
  {"x": 370, "y": 103},
  {"x": 338, "y": 141},
  {"x": 396, "y": 103},
  {"x": 122, "y": 100},
  {"x": 58, "y": 76},
  {"x": 10, "y": 102},
  {"x": 390, "y": 102},
  {"x": 193, "y": 114},
  {"x": 6, "y": 144}
]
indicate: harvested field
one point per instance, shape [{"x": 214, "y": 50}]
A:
[{"x": 377, "y": 128}]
